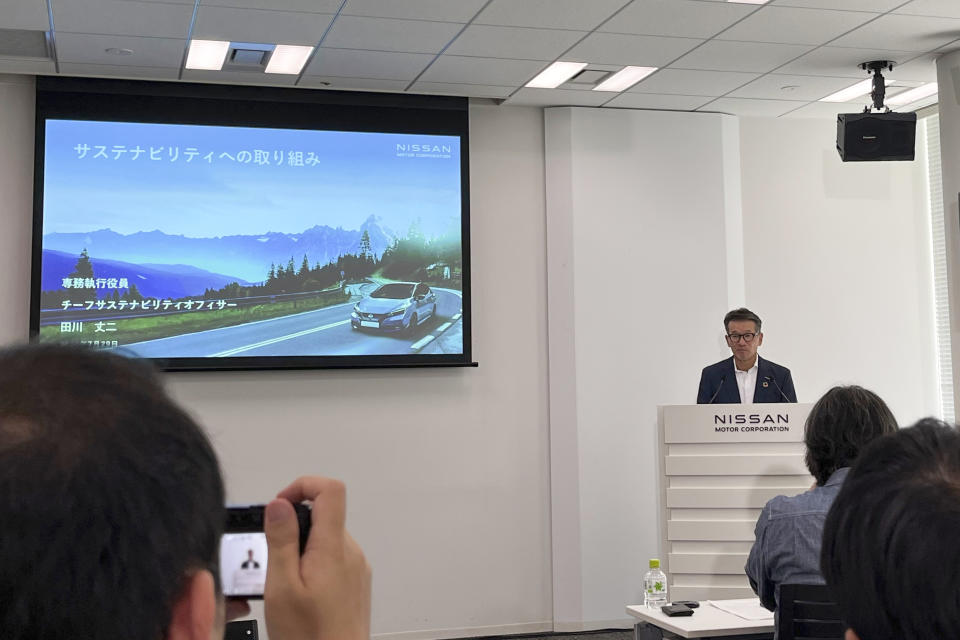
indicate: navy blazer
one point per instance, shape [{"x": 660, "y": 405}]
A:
[{"x": 718, "y": 383}]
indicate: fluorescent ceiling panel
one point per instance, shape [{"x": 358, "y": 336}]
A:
[
  {"x": 207, "y": 54},
  {"x": 625, "y": 78},
  {"x": 907, "y": 97},
  {"x": 556, "y": 74},
  {"x": 288, "y": 59},
  {"x": 862, "y": 88}
]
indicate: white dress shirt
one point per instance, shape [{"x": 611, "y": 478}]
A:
[{"x": 747, "y": 382}]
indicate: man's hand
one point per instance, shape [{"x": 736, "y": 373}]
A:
[{"x": 325, "y": 593}]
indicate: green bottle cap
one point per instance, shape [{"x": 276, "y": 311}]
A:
[{"x": 654, "y": 563}]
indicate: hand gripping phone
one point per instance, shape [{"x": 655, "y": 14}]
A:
[{"x": 243, "y": 549}]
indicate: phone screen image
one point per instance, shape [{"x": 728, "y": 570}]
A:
[{"x": 243, "y": 563}]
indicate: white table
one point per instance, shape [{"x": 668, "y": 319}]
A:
[{"x": 706, "y": 622}]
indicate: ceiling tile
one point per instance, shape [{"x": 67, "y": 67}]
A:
[
  {"x": 379, "y": 65},
  {"x": 513, "y": 42},
  {"x": 239, "y": 77},
  {"x": 824, "y": 110},
  {"x": 490, "y": 71},
  {"x": 389, "y": 34},
  {"x": 119, "y": 71},
  {"x": 920, "y": 69},
  {"x": 147, "y": 52},
  {"x": 905, "y": 33},
  {"x": 657, "y": 101},
  {"x": 771, "y": 87},
  {"x": 551, "y": 14},
  {"x": 123, "y": 17},
  {"x": 617, "y": 48},
  {"x": 876, "y": 6},
  {"x": 33, "y": 66},
  {"x": 361, "y": 84},
  {"x": 25, "y": 14},
  {"x": 679, "y": 18},
  {"x": 693, "y": 83},
  {"x": 254, "y": 25},
  {"x": 942, "y": 8},
  {"x": 469, "y": 90},
  {"x": 796, "y": 26},
  {"x": 307, "y": 6},
  {"x": 757, "y": 57},
  {"x": 558, "y": 98},
  {"x": 841, "y": 61},
  {"x": 747, "y": 107},
  {"x": 441, "y": 10}
]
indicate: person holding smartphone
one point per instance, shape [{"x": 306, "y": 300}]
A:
[{"x": 112, "y": 511}]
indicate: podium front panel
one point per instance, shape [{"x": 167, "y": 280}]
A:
[{"x": 719, "y": 465}]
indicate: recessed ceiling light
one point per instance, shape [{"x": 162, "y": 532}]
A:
[
  {"x": 912, "y": 95},
  {"x": 117, "y": 51},
  {"x": 207, "y": 54},
  {"x": 556, "y": 74},
  {"x": 854, "y": 91},
  {"x": 625, "y": 78},
  {"x": 288, "y": 58}
]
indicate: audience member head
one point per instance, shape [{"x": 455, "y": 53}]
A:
[
  {"x": 111, "y": 502},
  {"x": 840, "y": 424},
  {"x": 890, "y": 552}
]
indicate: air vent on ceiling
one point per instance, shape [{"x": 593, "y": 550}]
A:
[
  {"x": 586, "y": 78},
  {"x": 20, "y": 43},
  {"x": 248, "y": 56}
]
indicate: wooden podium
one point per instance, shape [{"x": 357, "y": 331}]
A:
[{"x": 719, "y": 464}]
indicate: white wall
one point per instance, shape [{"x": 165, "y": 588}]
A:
[
  {"x": 447, "y": 469},
  {"x": 16, "y": 204},
  {"x": 838, "y": 264},
  {"x": 644, "y": 258},
  {"x": 648, "y": 247}
]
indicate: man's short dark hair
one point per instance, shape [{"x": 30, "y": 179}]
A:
[
  {"x": 110, "y": 497},
  {"x": 839, "y": 425},
  {"x": 890, "y": 552},
  {"x": 741, "y": 314}
]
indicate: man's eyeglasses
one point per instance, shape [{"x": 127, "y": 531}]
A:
[{"x": 734, "y": 338}]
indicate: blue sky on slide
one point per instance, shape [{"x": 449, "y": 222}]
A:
[{"x": 206, "y": 181}]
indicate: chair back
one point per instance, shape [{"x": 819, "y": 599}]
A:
[{"x": 808, "y": 612}]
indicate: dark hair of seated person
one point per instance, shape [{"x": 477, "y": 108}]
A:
[
  {"x": 110, "y": 496},
  {"x": 839, "y": 425},
  {"x": 890, "y": 553}
]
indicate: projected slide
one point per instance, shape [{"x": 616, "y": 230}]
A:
[{"x": 184, "y": 241}]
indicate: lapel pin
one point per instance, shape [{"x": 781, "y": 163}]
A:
[{"x": 766, "y": 384}]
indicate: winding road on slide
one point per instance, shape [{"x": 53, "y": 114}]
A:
[{"x": 325, "y": 332}]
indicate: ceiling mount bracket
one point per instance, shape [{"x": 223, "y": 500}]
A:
[{"x": 878, "y": 93}]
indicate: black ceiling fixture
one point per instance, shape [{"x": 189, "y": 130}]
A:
[{"x": 879, "y": 91}]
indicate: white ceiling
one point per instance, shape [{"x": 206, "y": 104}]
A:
[{"x": 776, "y": 59}]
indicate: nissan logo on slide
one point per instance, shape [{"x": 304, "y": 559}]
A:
[{"x": 424, "y": 150}]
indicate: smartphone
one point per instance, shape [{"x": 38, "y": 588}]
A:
[{"x": 243, "y": 550}]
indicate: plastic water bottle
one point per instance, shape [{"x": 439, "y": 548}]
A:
[{"x": 654, "y": 586}]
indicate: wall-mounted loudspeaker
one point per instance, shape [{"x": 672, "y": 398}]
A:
[{"x": 865, "y": 137}]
